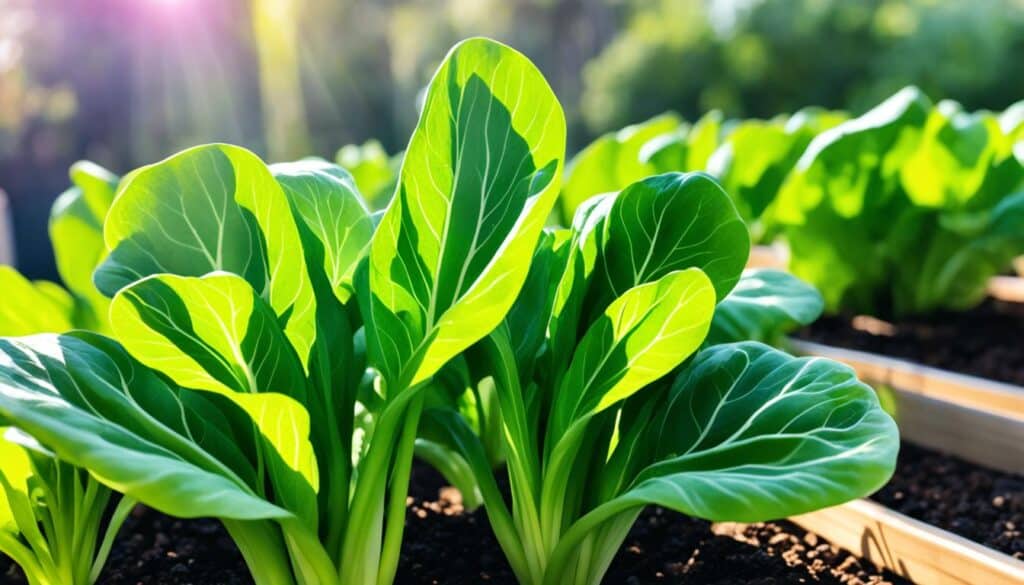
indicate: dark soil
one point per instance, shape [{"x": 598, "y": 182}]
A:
[
  {"x": 154, "y": 549},
  {"x": 985, "y": 341},
  {"x": 663, "y": 547},
  {"x": 980, "y": 504},
  {"x": 445, "y": 545}
]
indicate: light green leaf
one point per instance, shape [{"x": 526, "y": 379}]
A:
[
  {"x": 750, "y": 434},
  {"x": 755, "y": 158},
  {"x": 862, "y": 156},
  {"x": 209, "y": 333},
  {"x": 29, "y": 307},
  {"x": 327, "y": 202},
  {"x": 14, "y": 474},
  {"x": 642, "y": 336},
  {"x": 752, "y": 162},
  {"x": 215, "y": 333},
  {"x": 371, "y": 168},
  {"x": 613, "y": 161},
  {"x": 702, "y": 140},
  {"x": 839, "y": 204},
  {"x": 764, "y": 305},
  {"x": 285, "y": 427},
  {"x": 479, "y": 179},
  {"x": 76, "y": 231},
  {"x": 84, "y": 398},
  {"x": 211, "y": 208},
  {"x": 98, "y": 186},
  {"x": 953, "y": 159}
]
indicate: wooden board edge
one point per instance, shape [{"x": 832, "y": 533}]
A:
[
  {"x": 768, "y": 257},
  {"x": 911, "y": 548},
  {"x": 1006, "y": 288}
]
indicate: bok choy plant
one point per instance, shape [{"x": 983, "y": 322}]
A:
[
  {"x": 907, "y": 209},
  {"x": 54, "y": 520},
  {"x": 613, "y": 161},
  {"x": 53, "y": 516},
  {"x": 374, "y": 172},
  {"x": 624, "y": 379},
  {"x": 274, "y": 344},
  {"x": 757, "y": 156},
  {"x": 76, "y": 224}
]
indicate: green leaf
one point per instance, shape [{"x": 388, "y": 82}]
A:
[
  {"x": 211, "y": 208},
  {"x": 665, "y": 223},
  {"x": 612, "y": 162},
  {"x": 527, "y": 320},
  {"x": 953, "y": 159},
  {"x": 752, "y": 163},
  {"x": 326, "y": 200},
  {"x": 285, "y": 427},
  {"x": 210, "y": 333},
  {"x": 839, "y": 204},
  {"x": 757, "y": 156},
  {"x": 28, "y": 307},
  {"x": 642, "y": 336},
  {"x": 479, "y": 179},
  {"x": 371, "y": 168},
  {"x": 702, "y": 140},
  {"x": 1011, "y": 121},
  {"x": 83, "y": 397},
  {"x": 76, "y": 231},
  {"x": 766, "y": 436},
  {"x": 14, "y": 475},
  {"x": 655, "y": 226},
  {"x": 764, "y": 305},
  {"x": 952, "y": 265},
  {"x": 862, "y": 156}
]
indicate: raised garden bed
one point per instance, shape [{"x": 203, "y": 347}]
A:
[
  {"x": 984, "y": 341},
  {"x": 445, "y": 544},
  {"x": 952, "y": 512}
]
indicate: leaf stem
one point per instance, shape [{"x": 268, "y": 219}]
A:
[
  {"x": 263, "y": 548},
  {"x": 567, "y": 545},
  {"x": 399, "y": 490}
]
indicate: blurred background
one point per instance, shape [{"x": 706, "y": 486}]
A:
[{"x": 127, "y": 82}]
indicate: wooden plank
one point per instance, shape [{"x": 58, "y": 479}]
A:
[
  {"x": 1006, "y": 288},
  {"x": 982, "y": 437},
  {"x": 996, "y": 397},
  {"x": 910, "y": 548},
  {"x": 768, "y": 257}
]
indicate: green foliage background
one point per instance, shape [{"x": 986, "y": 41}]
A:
[{"x": 123, "y": 82}]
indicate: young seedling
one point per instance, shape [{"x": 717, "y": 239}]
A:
[{"x": 53, "y": 517}]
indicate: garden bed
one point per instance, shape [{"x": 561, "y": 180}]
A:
[
  {"x": 983, "y": 505},
  {"x": 968, "y": 482},
  {"x": 445, "y": 545},
  {"x": 985, "y": 341}
]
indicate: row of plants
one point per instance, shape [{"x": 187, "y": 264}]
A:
[
  {"x": 925, "y": 193},
  {"x": 904, "y": 210},
  {"x": 252, "y": 343}
]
